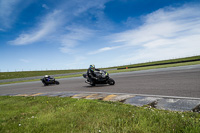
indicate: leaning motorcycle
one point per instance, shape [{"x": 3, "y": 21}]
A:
[
  {"x": 50, "y": 81},
  {"x": 102, "y": 77}
]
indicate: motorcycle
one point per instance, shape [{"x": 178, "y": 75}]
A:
[
  {"x": 47, "y": 82},
  {"x": 102, "y": 77}
]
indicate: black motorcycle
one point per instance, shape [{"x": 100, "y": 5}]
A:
[
  {"x": 102, "y": 77},
  {"x": 49, "y": 81}
]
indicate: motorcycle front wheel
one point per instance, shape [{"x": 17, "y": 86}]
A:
[
  {"x": 57, "y": 83},
  {"x": 111, "y": 81}
]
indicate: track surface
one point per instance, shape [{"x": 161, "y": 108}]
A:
[{"x": 178, "y": 81}]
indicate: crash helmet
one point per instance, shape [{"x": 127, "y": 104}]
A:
[
  {"x": 92, "y": 67},
  {"x": 46, "y": 76}
]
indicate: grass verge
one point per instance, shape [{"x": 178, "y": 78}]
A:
[
  {"x": 56, "y": 114},
  {"x": 163, "y": 62},
  {"x": 12, "y": 75},
  {"x": 155, "y": 67},
  {"x": 68, "y": 76}
]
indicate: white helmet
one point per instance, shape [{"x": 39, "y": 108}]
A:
[{"x": 46, "y": 76}]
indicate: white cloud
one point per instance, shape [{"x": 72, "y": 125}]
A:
[
  {"x": 45, "y": 6},
  {"x": 74, "y": 37},
  {"x": 103, "y": 50},
  {"x": 9, "y": 10},
  {"x": 83, "y": 6},
  {"x": 24, "y": 60},
  {"x": 45, "y": 28},
  {"x": 54, "y": 23},
  {"x": 2, "y": 29},
  {"x": 166, "y": 33}
]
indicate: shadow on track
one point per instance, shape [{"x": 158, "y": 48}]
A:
[{"x": 97, "y": 85}]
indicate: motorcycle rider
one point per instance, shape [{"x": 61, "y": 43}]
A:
[
  {"x": 91, "y": 75},
  {"x": 48, "y": 78}
]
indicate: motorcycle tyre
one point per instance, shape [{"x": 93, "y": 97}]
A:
[
  {"x": 92, "y": 84},
  {"x": 111, "y": 81},
  {"x": 46, "y": 84},
  {"x": 57, "y": 83}
]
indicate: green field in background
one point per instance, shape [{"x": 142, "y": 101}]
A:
[
  {"x": 12, "y": 75},
  {"x": 163, "y": 61},
  {"x": 155, "y": 67}
]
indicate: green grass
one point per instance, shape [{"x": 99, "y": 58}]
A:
[
  {"x": 56, "y": 114},
  {"x": 163, "y": 61},
  {"x": 21, "y": 81},
  {"x": 155, "y": 67},
  {"x": 68, "y": 76},
  {"x": 12, "y": 75}
]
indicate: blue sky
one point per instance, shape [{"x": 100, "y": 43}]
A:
[{"x": 72, "y": 34}]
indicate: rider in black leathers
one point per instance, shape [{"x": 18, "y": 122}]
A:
[{"x": 91, "y": 75}]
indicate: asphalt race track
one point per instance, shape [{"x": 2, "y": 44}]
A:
[{"x": 178, "y": 81}]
